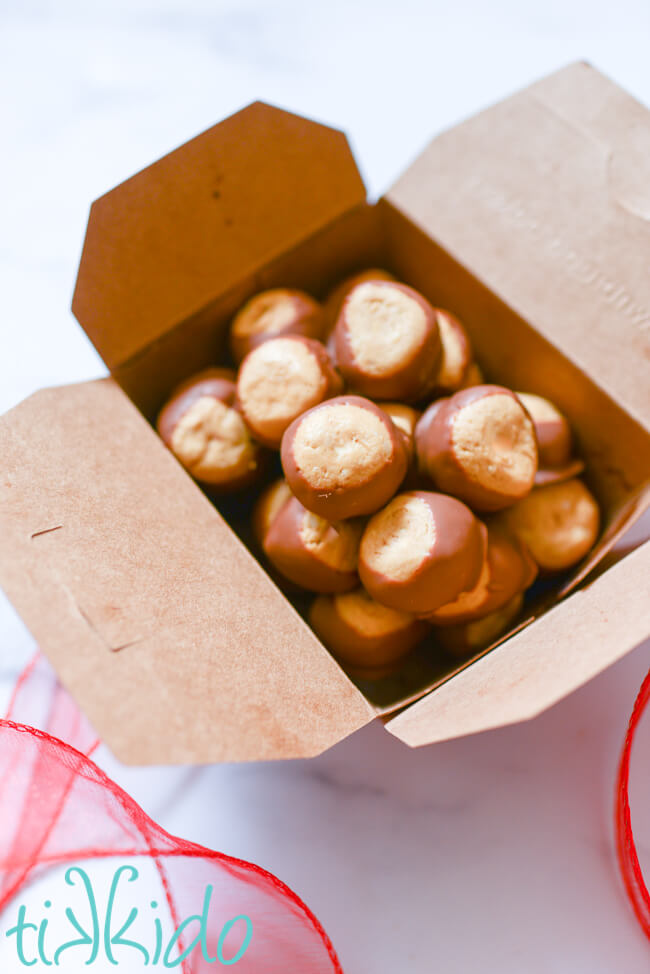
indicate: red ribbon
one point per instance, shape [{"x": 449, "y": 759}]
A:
[
  {"x": 57, "y": 806},
  {"x": 49, "y": 786},
  {"x": 635, "y": 886}
]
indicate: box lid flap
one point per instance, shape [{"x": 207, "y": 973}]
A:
[
  {"x": 545, "y": 198},
  {"x": 162, "y": 625},
  {"x": 177, "y": 236},
  {"x": 541, "y": 664}
]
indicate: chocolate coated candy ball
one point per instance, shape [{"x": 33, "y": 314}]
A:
[
  {"x": 558, "y": 523},
  {"x": 369, "y": 638},
  {"x": 457, "y": 354},
  {"x": 268, "y": 505},
  {"x": 480, "y": 446},
  {"x": 387, "y": 343},
  {"x": 337, "y": 295},
  {"x": 279, "y": 380},
  {"x": 311, "y": 552},
  {"x": 344, "y": 458},
  {"x": 509, "y": 569},
  {"x": 421, "y": 551},
  {"x": 271, "y": 314},
  {"x": 470, "y": 637},
  {"x": 553, "y": 440},
  {"x": 203, "y": 428}
]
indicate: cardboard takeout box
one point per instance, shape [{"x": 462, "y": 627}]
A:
[{"x": 530, "y": 221}]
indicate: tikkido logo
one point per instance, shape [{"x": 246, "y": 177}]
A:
[{"x": 101, "y": 935}]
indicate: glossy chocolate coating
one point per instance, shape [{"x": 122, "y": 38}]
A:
[
  {"x": 457, "y": 354},
  {"x": 369, "y": 639},
  {"x": 405, "y": 419},
  {"x": 267, "y": 506},
  {"x": 554, "y": 441},
  {"x": 273, "y": 314},
  {"x": 470, "y": 637},
  {"x": 409, "y": 379},
  {"x": 449, "y": 560},
  {"x": 217, "y": 384},
  {"x": 312, "y": 553},
  {"x": 438, "y": 457},
  {"x": 509, "y": 571},
  {"x": 337, "y": 295}
]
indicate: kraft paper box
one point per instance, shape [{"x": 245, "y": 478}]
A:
[{"x": 530, "y": 221}]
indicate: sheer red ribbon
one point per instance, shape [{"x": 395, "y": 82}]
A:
[
  {"x": 628, "y": 859},
  {"x": 57, "y": 806}
]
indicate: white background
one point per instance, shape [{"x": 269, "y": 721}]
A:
[{"x": 490, "y": 854}]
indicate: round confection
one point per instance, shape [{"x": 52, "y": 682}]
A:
[
  {"x": 337, "y": 295},
  {"x": 473, "y": 377},
  {"x": 456, "y": 353},
  {"x": 279, "y": 380},
  {"x": 421, "y": 433},
  {"x": 421, "y": 551},
  {"x": 386, "y": 341},
  {"x": 508, "y": 570},
  {"x": 267, "y": 506},
  {"x": 366, "y": 636},
  {"x": 315, "y": 554},
  {"x": 469, "y": 637},
  {"x": 205, "y": 431},
  {"x": 558, "y": 523},
  {"x": 480, "y": 446},
  {"x": 281, "y": 311},
  {"x": 405, "y": 419},
  {"x": 344, "y": 458},
  {"x": 554, "y": 441}
]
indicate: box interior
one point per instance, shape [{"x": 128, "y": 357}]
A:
[
  {"x": 614, "y": 447},
  {"x": 267, "y": 199}
]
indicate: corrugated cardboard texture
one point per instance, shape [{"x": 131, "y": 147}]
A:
[
  {"x": 160, "y": 623},
  {"x": 172, "y": 240},
  {"x": 545, "y": 198},
  {"x": 543, "y": 663}
]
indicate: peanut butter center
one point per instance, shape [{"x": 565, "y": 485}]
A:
[
  {"x": 265, "y": 314},
  {"x": 341, "y": 445},
  {"x": 367, "y": 617},
  {"x": 399, "y": 539},
  {"x": 337, "y": 545},
  {"x": 212, "y": 441},
  {"x": 558, "y": 523},
  {"x": 403, "y": 416},
  {"x": 541, "y": 410},
  {"x": 494, "y": 442},
  {"x": 454, "y": 354},
  {"x": 279, "y": 380},
  {"x": 385, "y": 328}
]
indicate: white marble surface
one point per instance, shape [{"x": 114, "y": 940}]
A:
[{"x": 492, "y": 853}]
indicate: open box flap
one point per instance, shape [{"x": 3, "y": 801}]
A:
[
  {"x": 545, "y": 197},
  {"x": 170, "y": 241},
  {"x": 543, "y": 663},
  {"x": 161, "y": 624}
]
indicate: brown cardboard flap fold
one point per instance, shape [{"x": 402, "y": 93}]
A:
[
  {"x": 545, "y": 197},
  {"x": 162, "y": 625},
  {"x": 167, "y": 243},
  {"x": 543, "y": 663}
]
